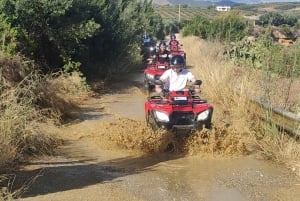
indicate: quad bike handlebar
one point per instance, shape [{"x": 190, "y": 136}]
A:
[{"x": 197, "y": 82}]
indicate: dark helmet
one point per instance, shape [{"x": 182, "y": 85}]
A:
[
  {"x": 177, "y": 60},
  {"x": 162, "y": 44},
  {"x": 173, "y": 36}
]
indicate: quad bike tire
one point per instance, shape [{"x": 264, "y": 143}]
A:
[
  {"x": 151, "y": 122},
  {"x": 148, "y": 87},
  {"x": 208, "y": 125}
]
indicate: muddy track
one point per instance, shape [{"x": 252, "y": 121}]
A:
[{"x": 110, "y": 154}]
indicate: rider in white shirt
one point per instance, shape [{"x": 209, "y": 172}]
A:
[{"x": 177, "y": 76}]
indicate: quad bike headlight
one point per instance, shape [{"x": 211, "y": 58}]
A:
[
  {"x": 203, "y": 115},
  {"x": 152, "y": 48},
  {"x": 150, "y": 77},
  {"x": 161, "y": 116}
]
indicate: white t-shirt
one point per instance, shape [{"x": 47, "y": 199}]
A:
[{"x": 176, "y": 81}]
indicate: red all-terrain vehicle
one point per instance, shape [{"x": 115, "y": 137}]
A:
[
  {"x": 152, "y": 73},
  {"x": 176, "y": 50},
  {"x": 178, "y": 110}
]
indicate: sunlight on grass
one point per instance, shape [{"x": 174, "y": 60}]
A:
[{"x": 226, "y": 86}]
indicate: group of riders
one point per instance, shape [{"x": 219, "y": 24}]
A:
[{"x": 177, "y": 76}]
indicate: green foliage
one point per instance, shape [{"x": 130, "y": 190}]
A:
[
  {"x": 200, "y": 26},
  {"x": 184, "y": 6},
  {"x": 171, "y": 12},
  {"x": 76, "y": 34},
  {"x": 8, "y": 36},
  {"x": 248, "y": 7},
  {"x": 277, "y": 19},
  {"x": 266, "y": 55},
  {"x": 297, "y": 25},
  {"x": 50, "y": 31},
  {"x": 171, "y": 26},
  {"x": 286, "y": 6},
  {"x": 123, "y": 24},
  {"x": 211, "y": 7},
  {"x": 227, "y": 27}
]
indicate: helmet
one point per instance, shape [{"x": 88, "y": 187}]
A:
[
  {"x": 162, "y": 44},
  {"x": 177, "y": 62},
  {"x": 173, "y": 36}
]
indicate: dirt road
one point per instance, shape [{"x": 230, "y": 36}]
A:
[
  {"x": 92, "y": 167},
  {"x": 111, "y": 155}
]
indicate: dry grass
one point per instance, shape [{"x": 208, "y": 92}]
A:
[
  {"x": 223, "y": 85},
  {"x": 226, "y": 87},
  {"x": 24, "y": 107},
  {"x": 58, "y": 95},
  {"x": 29, "y": 105}
]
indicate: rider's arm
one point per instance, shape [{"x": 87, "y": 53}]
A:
[
  {"x": 164, "y": 77},
  {"x": 155, "y": 56},
  {"x": 193, "y": 79}
]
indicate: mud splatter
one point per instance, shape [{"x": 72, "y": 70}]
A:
[
  {"x": 218, "y": 141},
  {"x": 133, "y": 135}
]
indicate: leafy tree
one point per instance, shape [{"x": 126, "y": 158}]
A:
[
  {"x": 8, "y": 36},
  {"x": 229, "y": 26},
  {"x": 276, "y": 19},
  {"x": 74, "y": 33},
  {"x": 50, "y": 32},
  {"x": 198, "y": 27}
]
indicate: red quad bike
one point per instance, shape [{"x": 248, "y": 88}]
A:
[
  {"x": 152, "y": 73},
  {"x": 178, "y": 111},
  {"x": 175, "y": 50}
]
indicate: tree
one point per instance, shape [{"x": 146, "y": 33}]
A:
[
  {"x": 74, "y": 33},
  {"x": 276, "y": 19}
]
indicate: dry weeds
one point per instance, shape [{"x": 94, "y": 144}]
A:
[
  {"x": 24, "y": 107},
  {"x": 28, "y": 102},
  {"x": 226, "y": 87}
]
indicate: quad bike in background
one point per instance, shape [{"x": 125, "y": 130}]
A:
[
  {"x": 152, "y": 73},
  {"x": 176, "y": 50},
  {"x": 148, "y": 49},
  {"x": 179, "y": 111}
]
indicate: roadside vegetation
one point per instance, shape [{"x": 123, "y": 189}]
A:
[
  {"x": 49, "y": 51},
  {"x": 239, "y": 62},
  {"x": 257, "y": 47},
  {"x": 227, "y": 87}
]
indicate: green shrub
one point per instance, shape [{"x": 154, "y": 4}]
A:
[
  {"x": 277, "y": 19},
  {"x": 229, "y": 26}
]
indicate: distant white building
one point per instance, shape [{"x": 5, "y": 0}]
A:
[{"x": 223, "y": 8}]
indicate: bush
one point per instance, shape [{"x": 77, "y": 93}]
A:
[
  {"x": 227, "y": 27},
  {"x": 198, "y": 27},
  {"x": 276, "y": 19}
]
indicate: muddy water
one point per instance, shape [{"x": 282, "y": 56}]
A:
[{"x": 112, "y": 155}]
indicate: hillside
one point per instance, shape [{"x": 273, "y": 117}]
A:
[
  {"x": 291, "y": 8},
  {"x": 186, "y": 13},
  {"x": 205, "y": 3},
  {"x": 161, "y": 2},
  {"x": 193, "y": 3},
  {"x": 170, "y": 12}
]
